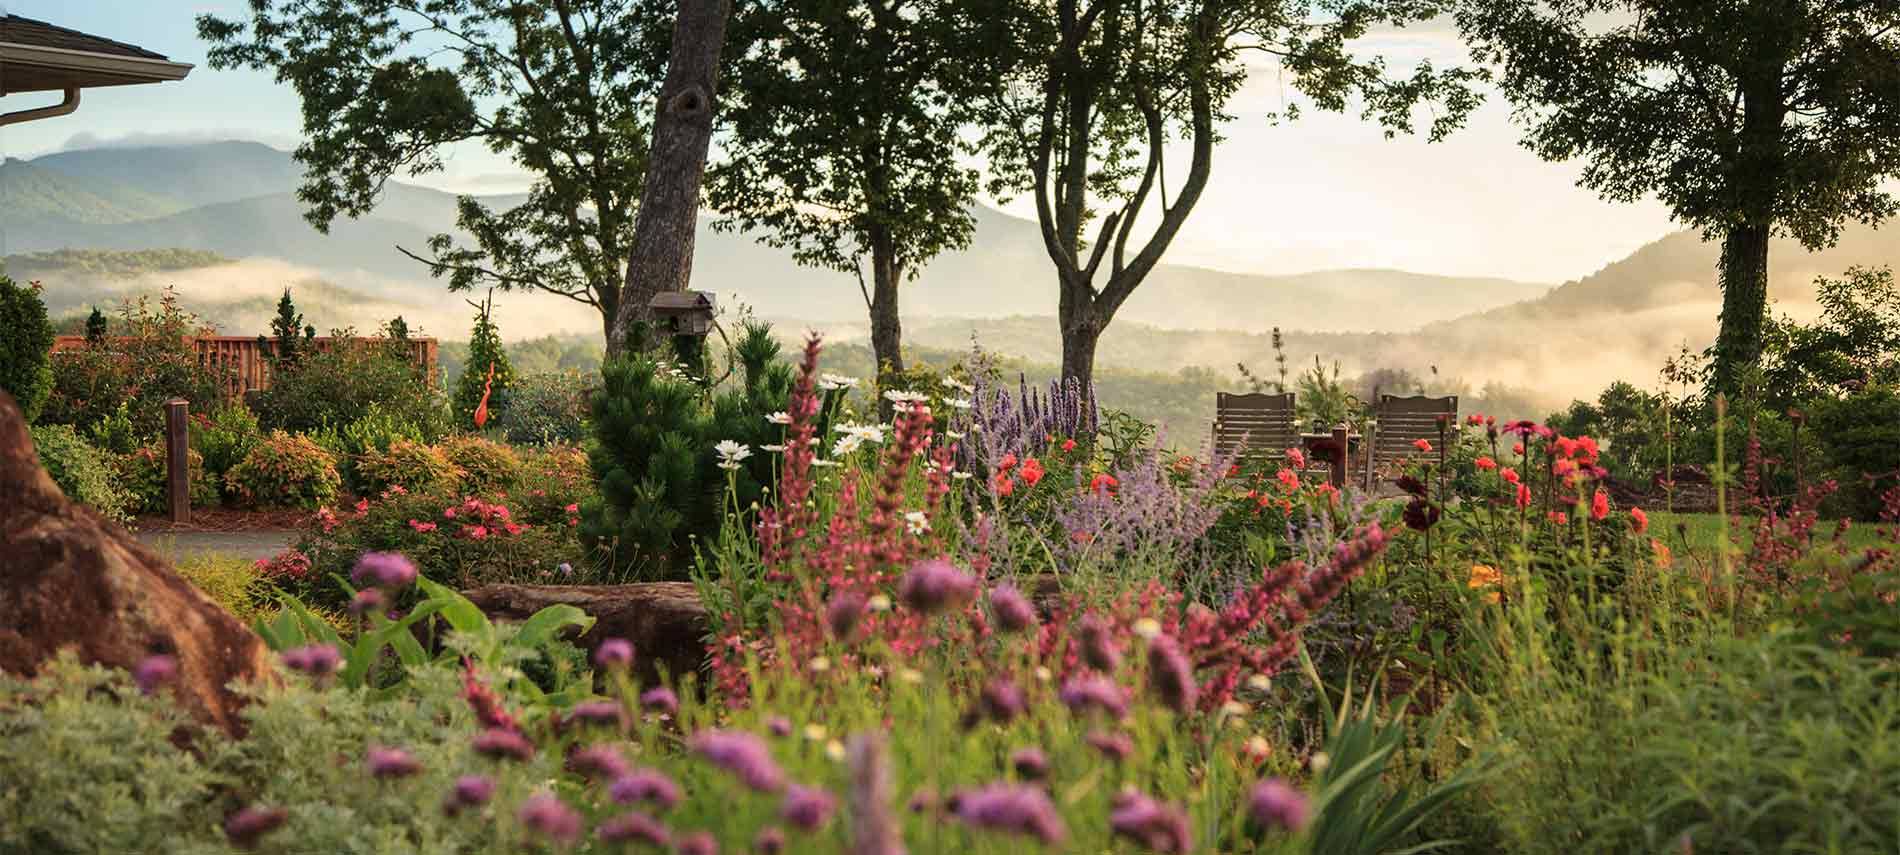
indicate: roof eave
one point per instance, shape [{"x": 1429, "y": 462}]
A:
[{"x": 109, "y": 66}]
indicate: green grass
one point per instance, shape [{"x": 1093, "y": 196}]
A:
[{"x": 1701, "y": 532}]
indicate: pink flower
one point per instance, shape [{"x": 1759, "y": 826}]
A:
[
  {"x": 154, "y": 671},
  {"x": 1289, "y": 479},
  {"x": 808, "y": 808},
  {"x": 614, "y": 653},
  {"x": 934, "y": 584},
  {"x": 1095, "y": 691},
  {"x": 387, "y": 570},
  {"x": 1013, "y": 610},
  {"x": 1276, "y": 804},
  {"x": 1160, "y": 827},
  {"x": 547, "y": 816},
  {"x": 503, "y": 745},
  {"x": 245, "y": 827},
  {"x": 423, "y": 527},
  {"x": 1170, "y": 673},
  {"x": 1296, "y": 457},
  {"x": 572, "y": 509},
  {"x": 475, "y": 532},
  {"x": 599, "y": 761},
  {"x": 742, "y": 754},
  {"x": 1114, "y": 746},
  {"x": 391, "y": 763},
  {"x": 634, "y": 826},
  {"x": 448, "y": 513},
  {"x": 660, "y": 699},
  {"x": 1017, "y": 809},
  {"x": 645, "y": 785}
]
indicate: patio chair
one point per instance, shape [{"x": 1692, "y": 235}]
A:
[
  {"x": 1401, "y": 422},
  {"x": 1254, "y": 424}
]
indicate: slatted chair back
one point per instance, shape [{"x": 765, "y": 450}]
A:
[
  {"x": 1254, "y": 424},
  {"x": 1402, "y": 422}
]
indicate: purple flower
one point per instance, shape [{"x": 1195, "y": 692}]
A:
[
  {"x": 597, "y": 761},
  {"x": 547, "y": 816},
  {"x": 1086, "y": 691},
  {"x": 843, "y": 613},
  {"x": 1170, "y": 673},
  {"x": 1098, "y": 644},
  {"x": 779, "y": 725},
  {"x": 1011, "y": 808},
  {"x": 634, "y": 826},
  {"x": 771, "y": 841},
  {"x": 600, "y": 712},
  {"x": 742, "y": 754},
  {"x": 660, "y": 699},
  {"x": 366, "y": 601},
  {"x": 808, "y": 808},
  {"x": 391, "y": 762},
  {"x": 383, "y": 570},
  {"x": 699, "y": 843},
  {"x": 154, "y": 671},
  {"x": 1114, "y": 746},
  {"x": 1001, "y": 700},
  {"x": 469, "y": 791},
  {"x": 934, "y": 584},
  {"x": 1030, "y": 763},
  {"x": 1013, "y": 610},
  {"x": 614, "y": 653},
  {"x": 316, "y": 660},
  {"x": 1160, "y": 827},
  {"x": 503, "y": 744},
  {"x": 245, "y": 827},
  {"x": 645, "y": 785},
  {"x": 1278, "y": 805}
]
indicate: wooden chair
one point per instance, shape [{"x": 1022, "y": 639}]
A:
[
  {"x": 1401, "y": 422},
  {"x": 1254, "y": 424}
]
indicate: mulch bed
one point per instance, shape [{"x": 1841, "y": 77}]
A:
[{"x": 228, "y": 520}]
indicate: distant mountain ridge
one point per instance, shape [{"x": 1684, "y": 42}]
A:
[{"x": 238, "y": 199}]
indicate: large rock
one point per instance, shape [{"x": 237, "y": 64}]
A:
[
  {"x": 71, "y": 579},
  {"x": 664, "y": 620}
]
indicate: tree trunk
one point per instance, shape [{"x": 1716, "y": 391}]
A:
[
  {"x": 887, "y": 331},
  {"x": 663, "y": 230},
  {"x": 1744, "y": 275},
  {"x": 1080, "y": 335}
]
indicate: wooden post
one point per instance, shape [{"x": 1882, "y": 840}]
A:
[
  {"x": 1341, "y": 436},
  {"x": 178, "y": 459}
]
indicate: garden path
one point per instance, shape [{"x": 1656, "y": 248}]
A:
[{"x": 248, "y": 545}]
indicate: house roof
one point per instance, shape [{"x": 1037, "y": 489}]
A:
[{"x": 36, "y": 56}]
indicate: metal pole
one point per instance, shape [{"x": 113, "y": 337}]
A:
[{"x": 177, "y": 459}]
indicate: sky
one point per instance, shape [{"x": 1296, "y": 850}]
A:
[{"x": 1323, "y": 192}]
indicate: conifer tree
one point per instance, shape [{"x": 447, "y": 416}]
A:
[
  {"x": 484, "y": 349},
  {"x": 96, "y": 327},
  {"x": 285, "y": 327}
]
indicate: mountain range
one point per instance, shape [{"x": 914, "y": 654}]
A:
[{"x": 238, "y": 199}]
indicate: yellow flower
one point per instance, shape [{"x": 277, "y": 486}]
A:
[{"x": 1486, "y": 576}]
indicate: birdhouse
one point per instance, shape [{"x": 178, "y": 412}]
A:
[{"x": 683, "y": 312}]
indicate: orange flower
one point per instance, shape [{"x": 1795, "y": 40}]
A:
[
  {"x": 481, "y": 409},
  {"x": 1600, "y": 505},
  {"x": 1032, "y": 472},
  {"x": 1664, "y": 559},
  {"x": 1422, "y": 444},
  {"x": 1486, "y": 576}
]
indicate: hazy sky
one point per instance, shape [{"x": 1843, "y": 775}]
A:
[{"x": 1324, "y": 192}]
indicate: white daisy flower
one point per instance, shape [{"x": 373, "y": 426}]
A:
[
  {"x": 878, "y": 603},
  {"x": 960, "y": 403},
  {"x": 846, "y": 444},
  {"x": 1147, "y": 628},
  {"x": 959, "y": 385},
  {"x": 953, "y": 434},
  {"x": 867, "y": 433},
  {"x": 731, "y": 452},
  {"x": 774, "y": 449},
  {"x": 961, "y": 476},
  {"x": 833, "y": 382},
  {"x": 824, "y": 463},
  {"x": 916, "y": 522},
  {"x": 903, "y": 396},
  {"x": 779, "y": 418}
]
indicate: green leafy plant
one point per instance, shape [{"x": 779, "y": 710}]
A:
[
  {"x": 545, "y": 409},
  {"x": 485, "y": 464},
  {"x": 335, "y": 387},
  {"x": 285, "y": 470},
  {"x": 407, "y": 464},
  {"x": 224, "y": 436},
  {"x": 145, "y": 475},
  {"x": 82, "y": 472},
  {"x": 25, "y": 372}
]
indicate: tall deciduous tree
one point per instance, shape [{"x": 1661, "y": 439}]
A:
[
  {"x": 1103, "y": 88},
  {"x": 843, "y": 136},
  {"x": 682, "y": 132},
  {"x": 1747, "y": 117},
  {"x": 562, "y": 87}
]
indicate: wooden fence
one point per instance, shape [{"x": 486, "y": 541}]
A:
[{"x": 246, "y": 365}]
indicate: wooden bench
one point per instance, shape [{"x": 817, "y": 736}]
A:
[
  {"x": 1254, "y": 424},
  {"x": 1399, "y": 423}
]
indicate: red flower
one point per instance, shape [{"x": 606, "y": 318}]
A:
[
  {"x": 1007, "y": 463},
  {"x": 1599, "y": 505},
  {"x": 1508, "y": 474},
  {"x": 1068, "y": 445},
  {"x": 475, "y": 532},
  {"x": 1485, "y": 463},
  {"x": 1559, "y": 517},
  {"x": 1103, "y": 483},
  {"x": 573, "y": 509},
  {"x": 1639, "y": 519},
  {"x": 1005, "y": 485},
  {"x": 1289, "y": 479},
  {"x": 1296, "y": 457},
  {"x": 1523, "y": 496},
  {"x": 1032, "y": 472},
  {"x": 1422, "y": 444},
  {"x": 1517, "y": 449},
  {"x": 424, "y": 527}
]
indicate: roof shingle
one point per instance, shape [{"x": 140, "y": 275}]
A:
[{"x": 26, "y": 31}]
